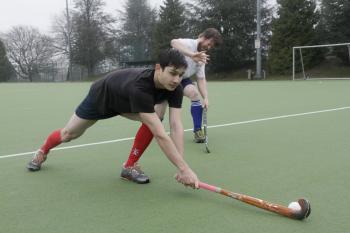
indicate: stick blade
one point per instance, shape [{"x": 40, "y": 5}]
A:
[
  {"x": 207, "y": 148},
  {"x": 305, "y": 209}
]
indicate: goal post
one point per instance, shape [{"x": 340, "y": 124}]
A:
[{"x": 298, "y": 49}]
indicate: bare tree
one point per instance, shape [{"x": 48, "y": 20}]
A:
[
  {"x": 62, "y": 37},
  {"x": 61, "y": 34},
  {"x": 28, "y": 50}
]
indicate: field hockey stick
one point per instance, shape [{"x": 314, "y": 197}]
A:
[
  {"x": 205, "y": 128},
  {"x": 301, "y": 214}
]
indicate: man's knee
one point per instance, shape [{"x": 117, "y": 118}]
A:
[
  {"x": 193, "y": 95},
  {"x": 160, "y": 110},
  {"x": 191, "y": 92},
  {"x": 67, "y": 135},
  {"x": 160, "y": 116}
]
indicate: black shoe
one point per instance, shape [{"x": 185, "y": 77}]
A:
[
  {"x": 134, "y": 174},
  {"x": 199, "y": 136},
  {"x": 38, "y": 159}
]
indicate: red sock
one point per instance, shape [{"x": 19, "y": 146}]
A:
[
  {"x": 142, "y": 139},
  {"x": 53, "y": 140}
]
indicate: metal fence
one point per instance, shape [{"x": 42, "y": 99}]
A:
[{"x": 59, "y": 72}]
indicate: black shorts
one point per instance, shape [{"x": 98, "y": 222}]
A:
[
  {"x": 185, "y": 82},
  {"x": 87, "y": 110}
]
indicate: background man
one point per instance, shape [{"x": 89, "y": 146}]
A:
[{"x": 195, "y": 51}]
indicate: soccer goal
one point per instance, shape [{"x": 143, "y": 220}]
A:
[{"x": 333, "y": 69}]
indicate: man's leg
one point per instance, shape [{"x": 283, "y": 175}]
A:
[
  {"x": 191, "y": 92},
  {"x": 75, "y": 127},
  {"x": 196, "y": 112},
  {"x": 142, "y": 139}
]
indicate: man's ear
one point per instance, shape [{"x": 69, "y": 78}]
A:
[{"x": 157, "y": 67}]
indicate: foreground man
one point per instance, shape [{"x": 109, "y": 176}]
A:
[{"x": 133, "y": 93}]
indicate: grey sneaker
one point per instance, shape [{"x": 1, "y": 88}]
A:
[
  {"x": 134, "y": 174},
  {"x": 38, "y": 159},
  {"x": 199, "y": 136}
]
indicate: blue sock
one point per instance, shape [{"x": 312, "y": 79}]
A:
[{"x": 196, "y": 111}]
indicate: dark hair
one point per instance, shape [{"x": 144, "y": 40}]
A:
[
  {"x": 171, "y": 57},
  {"x": 212, "y": 33}
]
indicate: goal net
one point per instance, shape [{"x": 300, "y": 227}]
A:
[{"x": 331, "y": 68}]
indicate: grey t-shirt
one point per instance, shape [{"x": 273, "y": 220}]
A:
[{"x": 192, "y": 66}]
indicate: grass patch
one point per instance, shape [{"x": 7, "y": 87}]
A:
[{"x": 329, "y": 68}]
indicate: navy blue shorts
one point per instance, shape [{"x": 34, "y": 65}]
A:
[
  {"x": 185, "y": 82},
  {"x": 88, "y": 111}
]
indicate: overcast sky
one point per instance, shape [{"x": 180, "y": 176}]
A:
[{"x": 40, "y": 13}]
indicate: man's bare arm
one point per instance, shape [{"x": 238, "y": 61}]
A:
[
  {"x": 198, "y": 57},
  {"x": 184, "y": 175}
]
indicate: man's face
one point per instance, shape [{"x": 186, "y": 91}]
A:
[
  {"x": 205, "y": 44},
  {"x": 171, "y": 77}
]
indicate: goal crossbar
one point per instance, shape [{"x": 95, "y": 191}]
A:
[
  {"x": 319, "y": 46},
  {"x": 313, "y": 46}
]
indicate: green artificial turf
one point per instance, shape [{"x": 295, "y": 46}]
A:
[{"x": 277, "y": 148}]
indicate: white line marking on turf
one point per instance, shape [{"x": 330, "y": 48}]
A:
[
  {"x": 213, "y": 126},
  {"x": 279, "y": 117},
  {"x": 69, "y": 147}
]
